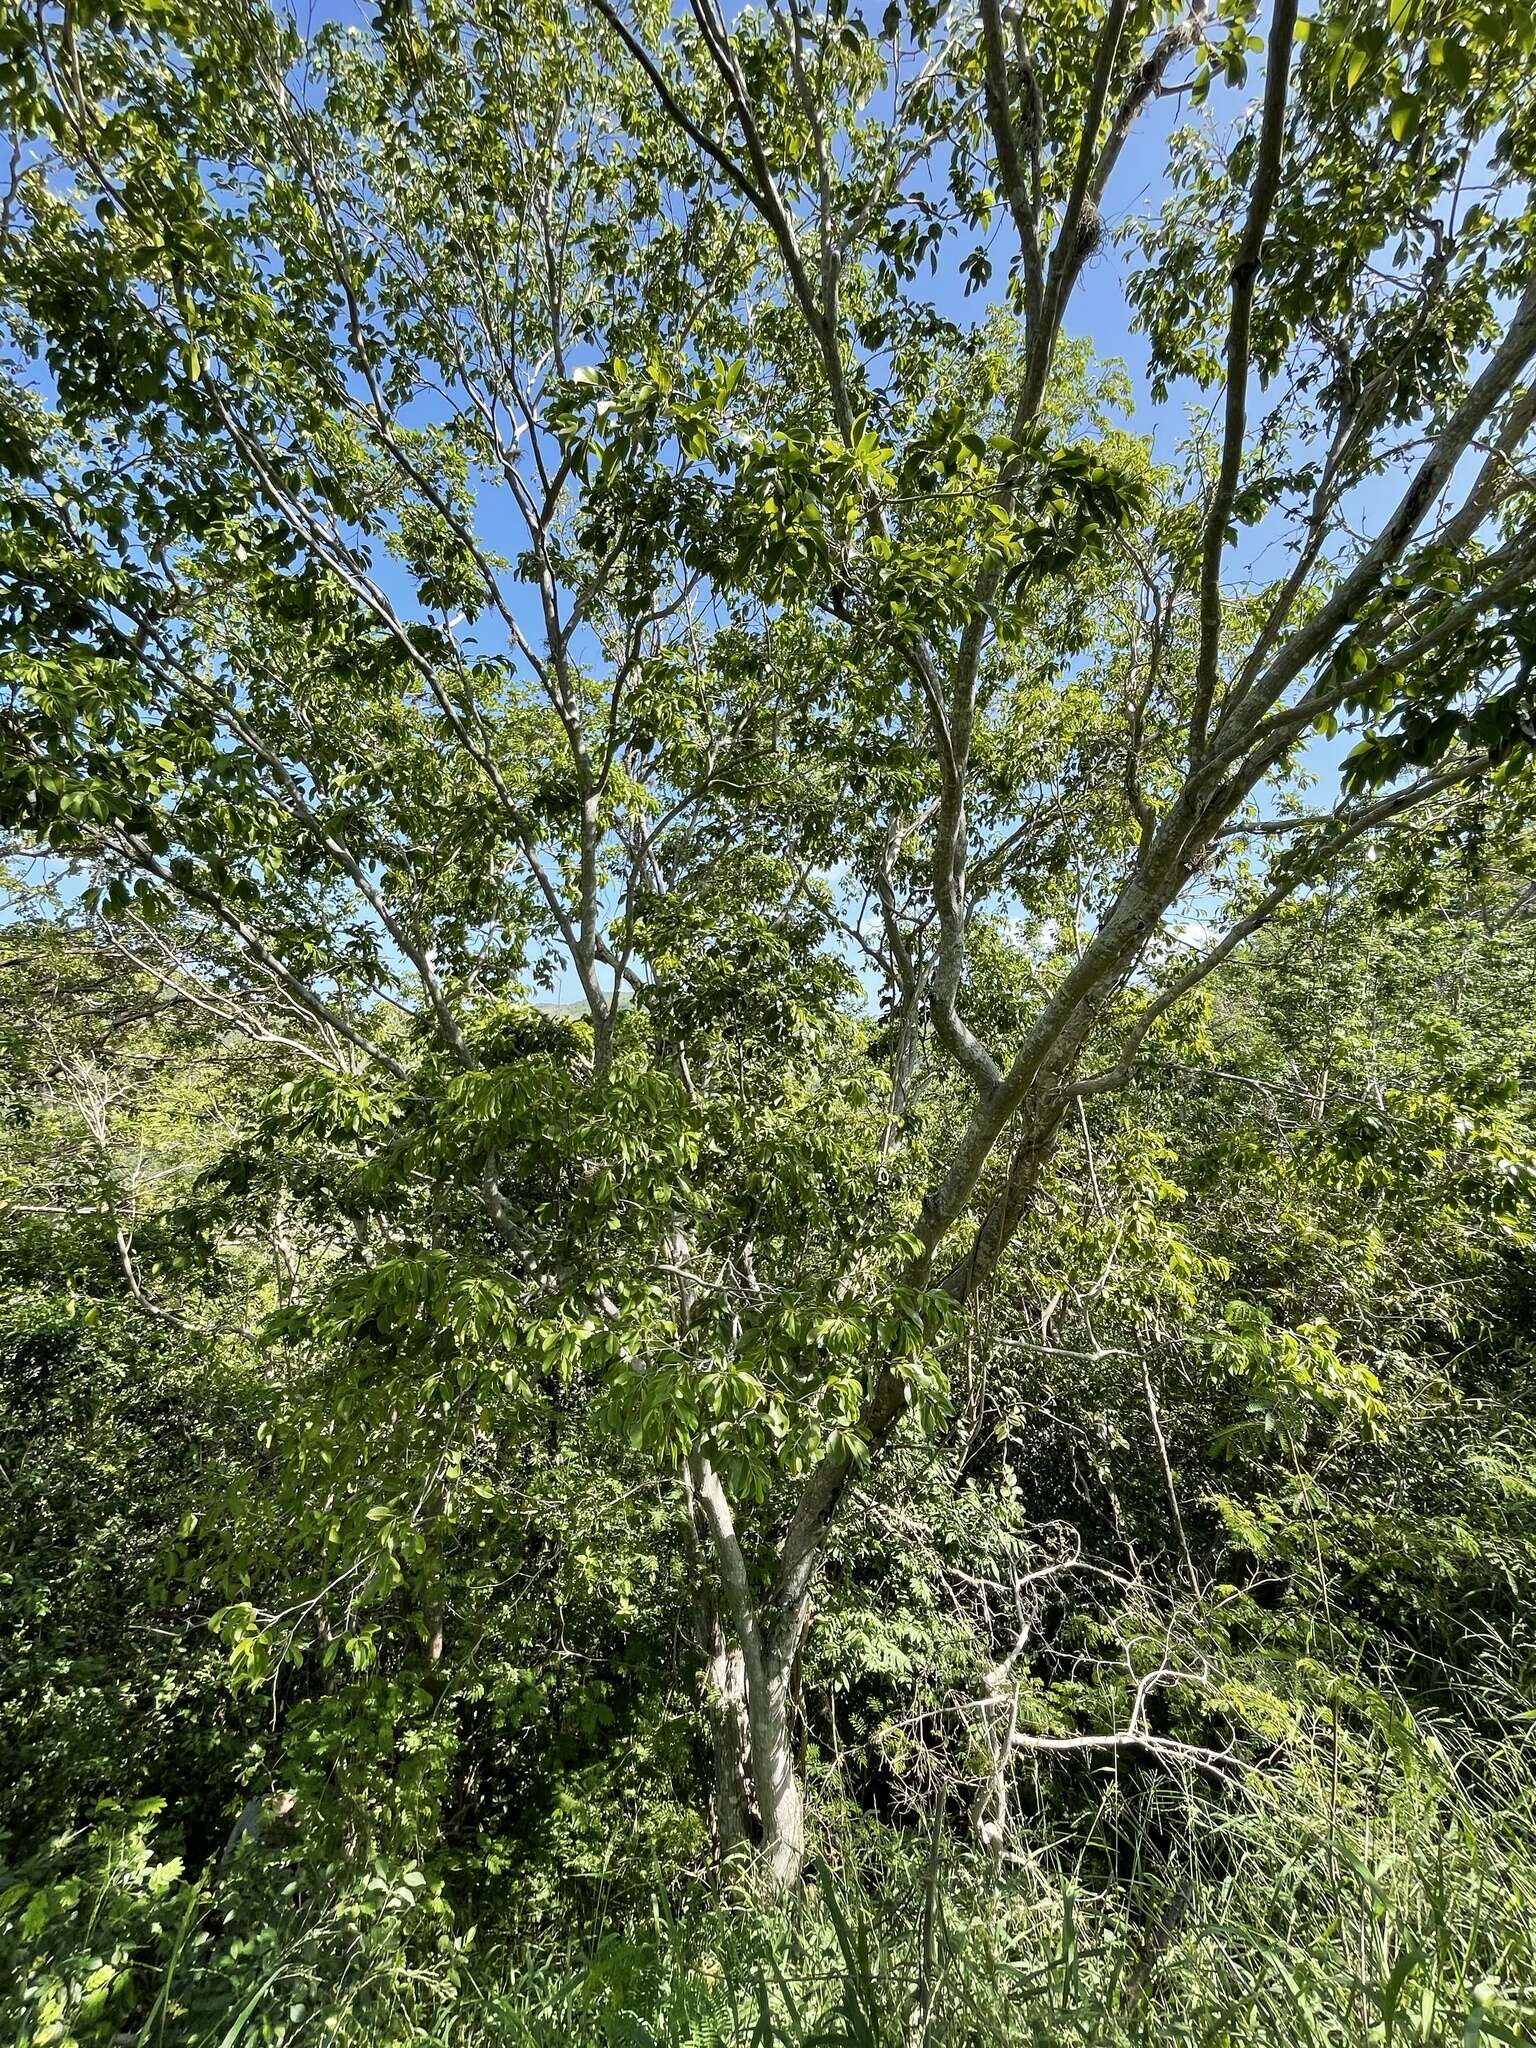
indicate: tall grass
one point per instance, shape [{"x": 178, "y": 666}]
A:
[{"x": 1408, "y": 1917}]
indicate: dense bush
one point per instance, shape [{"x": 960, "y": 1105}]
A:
[{"x": 1280, "y": 1458}]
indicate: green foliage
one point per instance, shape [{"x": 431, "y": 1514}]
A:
[
  {"x": 1269, "y": 1925},
  {"x": 1003, "y": 1304}
]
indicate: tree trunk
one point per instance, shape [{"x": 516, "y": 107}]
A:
[
  {"x": 771, "y": 1636},
  {"x": 757, "y": 1794},
  {"x": 780, "y": 1801},
  {"x": 725, "y": 1704},
  {"x": 765, "y": 1645}
]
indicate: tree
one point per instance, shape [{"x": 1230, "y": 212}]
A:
[{"x": 502, "y": 490}]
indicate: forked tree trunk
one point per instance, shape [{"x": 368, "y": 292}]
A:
[
  {"x": 758, "y": 1799},
  {"x": 770, "y": 1634},
  {"x": 748, "y": 1693},
  {"x": 758, "y": 1795},
  {"x": 769, "y": 1631}
]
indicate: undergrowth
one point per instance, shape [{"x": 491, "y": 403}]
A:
[{"x": 1403, "y": 1912}]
